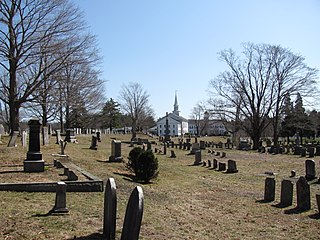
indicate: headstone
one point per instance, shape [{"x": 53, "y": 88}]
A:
[
  {"x": 310, "y": 169},
  {"x": 317, "y": 151},
  {"x": 232, "y": 166},
  {"x": 286, "y": 195},
  {"x": 318, "y": 202},
  {"x": 223, "y": 154},
  {"x": 164, "y": 149},
  {"x": 202, "y": 145},
  {"x": 197, "y": 157},
  {"x": 24, "y": 138},
  {"x": 311, "y": 152},
  {"x": 58, "y": 136},
  {"x": 94, "y": 144},
  {"x": 297, "y": 150},
  {"x": 209, "y": 163},
  {"x": 269, "y": 189},
  {"x": 303, "y": 152},
  {"x": 195, "y": 147},
  {"x": 188, "y": 146},
  {"x": 180, "y": 145},
  {"x": 70, "y": 136},
  {"x": 221, "y": 166},
  {"x": 34, "y": 162},
  {"x": 98, "y": 135},
  {"x": 110, "y": 210},
  {"x": 215, "y": 163},
  {"x": 45, "y": 136},
  {"x": 148, "y": 145},
  {"x": 303, "y": 194},
  {"x": 13, "y": 139},
  {"x": 115, "y": 151},
  {"x": 173, "y": 155},
  {"x": 133, "y": 217},
  {"x": 60, "y": 205}
]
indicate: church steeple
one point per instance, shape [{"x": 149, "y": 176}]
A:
[{"x": 176, "y": 106}]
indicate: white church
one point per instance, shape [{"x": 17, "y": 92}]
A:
[{"x": 178, "y": 125}]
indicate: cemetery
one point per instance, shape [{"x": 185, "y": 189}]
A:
[{"x": 245, "y": 194}]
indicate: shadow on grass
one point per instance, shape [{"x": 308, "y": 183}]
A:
[
  {"x": 92, "y": 236},
  {"x": 50, "y": 213},
  {"x": 280, "y": 205},
  {"x": 315, "y": 216},
  {"x": 132, "y": 178},
  {"x": 295, "y": 210},
  {"x": 263, "y": 201},
  {"x": 11, "y": 171}
]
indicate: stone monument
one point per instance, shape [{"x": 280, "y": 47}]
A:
[{"x": 115, "y": 151}]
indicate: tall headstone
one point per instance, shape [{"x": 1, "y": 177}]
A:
[
  {"x": 310, "y": 169},
  {"x": 115, "y": 151},
  {"x": 60, "y": 201},
  {"x": 45, "y": 136},
  {"x": 269, "y": 189},
  {"x": 24, "y": 138},
  {"x": 110, "y": 210},
  {"x": 94, "y": 144},
  {"x": 303, "y": 194},
  {"x": 197, "y": 157},
  {"x": 98, "y": 135},
  {"x": 167, "y": 131},
  {"x": 34, "y": 162},
  {"x": 286, "y": 195},
  {"x": 133, "y": 217}
]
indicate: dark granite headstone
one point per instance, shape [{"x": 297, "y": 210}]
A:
[
  {"x": 310, "y": 169},
  {"x": 115, "y": 151},
  {"x": 286, "y": 195},
  {"x": 133, "y": 217},
  {"x": 197, "y": 157},
  {"x": 215, "y": 163},
  {"x": 269, "y": 189},
  {"x": 110, "y": 210},
  {"x": 303, "y": 194},
  {"x": 221, "y": 166},
  {"x": 94, "y": 144},
  {"x": 60, "y": 201},
  {"x": 232, "y": 166}
]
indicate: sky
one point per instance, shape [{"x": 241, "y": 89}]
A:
[{"x": 171, "y": 46}]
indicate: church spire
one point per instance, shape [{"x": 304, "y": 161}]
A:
[{"x": 176, "y": 106}]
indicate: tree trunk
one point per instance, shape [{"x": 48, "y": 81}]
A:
[
  {"x": 14, "y": 116},
  {"x": 134, "y": 130}
]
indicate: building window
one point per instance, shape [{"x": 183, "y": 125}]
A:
[
  {"x": 160, "y": 131},
  {"x": 160, "y": 126},
  {"x": 174, "y": 131},
  {"x": 173, "y": 125}
]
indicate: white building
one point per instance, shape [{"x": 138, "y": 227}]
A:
[
  {"x": 208, "y": 127},
  {"x": 177, "y": 125}
]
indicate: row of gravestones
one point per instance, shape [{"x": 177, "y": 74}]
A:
[
  {"x": 219, "y": 166},
  {"x": 217, "y": 153},
  {"x": 286, "y": 195},
  {"x": 297, "y": 150},
  {"x": 133, "y": 215}
]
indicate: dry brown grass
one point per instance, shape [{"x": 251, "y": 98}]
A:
[{"x": 185, "y": 202}]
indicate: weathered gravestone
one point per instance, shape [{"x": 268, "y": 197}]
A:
[
  {"x": 133, "y": 217},
  {"x": 310, "y": 169},
  {"x": 60, "y": 205},
  {"x": 215, "y": 163},
  {"x": 34, "y": 162},
  {"x": 197, "y": 157},
  {"x": 269, "y": 189},
  {"x": 94, "y": 141},
  {"x": 221, "y": 166},
  {"x": 24, "y": 138},
  {"x": 303, "y": 152},
  {"x": 45, "y": 136},
  {"x": 286, "y": 195},
  {"x": 172, "y": 155},
  {"x": 303, "y": 194},
  {"x": 110, "y": 210},
  {"x": 195, "y": 147},
  {"x": 232, "y": 166},
  {"x": 115, "y": 151},
  {"x": 311, "y": 152},
  {"x": 13, "y": 139},
  {"x": 297, "y": 150}
]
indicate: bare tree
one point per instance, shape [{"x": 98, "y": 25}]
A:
[
  {"x": 200, "y": 115},
  {"x": 135, "y": 102},
  {"x": 31, "y": 30},
  {"x": 255, "y": 85}
]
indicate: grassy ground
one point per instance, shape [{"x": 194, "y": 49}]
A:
[{"x": 185, "y": 202}]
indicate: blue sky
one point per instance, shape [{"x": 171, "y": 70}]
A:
[{"x": 169, "y": 45}]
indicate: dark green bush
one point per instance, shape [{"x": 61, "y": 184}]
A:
[
  {"x": 146, "y": 166},
  {"x": 133, "y": 158}
]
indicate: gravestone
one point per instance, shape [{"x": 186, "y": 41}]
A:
[
  {"x": 318, "y": 202},
  {"x": 94, "y": 144},
  {"x": 209, "y": 163},
  {"x": 195, "y": 147},
  {"x": 297, "y": 150},
  {"x": 149, "y": 146},
  {"x": 173, "y": 155},
  {"x": 223, "y": 154},
  {"x": 133, "y": 217},
  {"x": 317, "y": 150},
  {"x": 58, "y": 136},
  {"x": 184, "y": 146},
  {"x": 303, "y": 152},
  {"x": 24, "y": 138},
  {"x": 310, "y": 169},
  {"x": 180, "y": 145},
  {"x": 167, "y": 131},
  {"x": 110, "y": 210},
  {"x": 311, "y": 152},
  {"x": 45, "y": 136},
  {"x": 221, "y": 166},
  {"x": 286, "y": 195},
  {"x": 188, "y": 146},
  {"x": 269, "y": 189},
  {"x": 34, "y": 162},
  {"x": 115, "y": 151},
  {"x": 60, "y": 205},
  {"x": 164, "y": 148},
  {"x": 70, "y": 136},
  {"x": 197, "y": 157},
  {"x": 232, "y": 166},
  {"x": 215, "y": 163},
  {"x": 13, "y": 139},
  {"x": 303, "y": 194},
  {"x": 202, "y": 145},
  {"x": 98, "y": 135}
]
